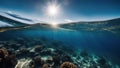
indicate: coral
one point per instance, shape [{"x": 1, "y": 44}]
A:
[
  {"x": 38, "y": 61},
  {"x": 50, "y": 61},
  {"x": 38, "y": 48},
  {"x": 23, "y": 63},
  {"x": 3, "y": 52},
  {"x": 47, "y": 55},
  {"x": 45, "y": 66},
  {"x": 68, "y": 65},
  {"x": 7, "y": 60},
  {"x": 45, "y": 52},
  {"x": 23, "y": 50},
  {"x": 84, "y": 53},
  {"x": 11, "y": 61},
  {"x": 66, "y": 58},
  {"x": 22, "y": 53},
  {"x": 32, "y": 64},
  {"x": 56, "y": 59},
  {"x": 102, "y": 61}
]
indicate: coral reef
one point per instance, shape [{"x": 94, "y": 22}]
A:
[{"x": 43, "y": 53}]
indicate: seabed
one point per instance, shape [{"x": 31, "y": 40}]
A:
[{"x": 44, "y": 53}]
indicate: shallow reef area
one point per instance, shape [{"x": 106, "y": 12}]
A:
[{"x": 44, "y": 53}]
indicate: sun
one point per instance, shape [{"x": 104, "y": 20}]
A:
[
  {"x": 53, "y": 13},
  {"x": 52, "y": 10}
]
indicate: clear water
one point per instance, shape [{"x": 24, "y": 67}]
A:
[{"x": 101, "y": 43}]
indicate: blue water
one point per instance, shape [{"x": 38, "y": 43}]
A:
[{"x": 101, "y": 43}]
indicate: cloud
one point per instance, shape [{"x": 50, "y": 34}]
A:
[
  {"x": 68, "y": 20},
  {"x": 10, "y": 12}
]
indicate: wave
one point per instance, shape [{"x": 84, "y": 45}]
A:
[{"x": 13, "y": 19}]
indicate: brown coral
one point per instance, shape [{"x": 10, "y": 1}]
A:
[
  {"x": 3, "y": 53},
  {"x": 37, "y": 59},
  {"x": 68, "y": 65},
  {"x": 45, "y": 66},
  {"x": 38, "y": 48},
  {"x": 7, "y": 60}
]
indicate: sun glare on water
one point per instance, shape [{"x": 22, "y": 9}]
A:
[{"x": 54, "y": 25}]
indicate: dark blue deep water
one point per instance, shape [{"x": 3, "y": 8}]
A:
[{"x": 101, "y": 43}]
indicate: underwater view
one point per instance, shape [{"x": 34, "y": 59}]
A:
[{"x": 30, "y": 41}]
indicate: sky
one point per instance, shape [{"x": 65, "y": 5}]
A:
[{"x": 69, "y": 10}]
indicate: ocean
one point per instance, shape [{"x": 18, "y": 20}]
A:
[{"x": 101, "y": 43}]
